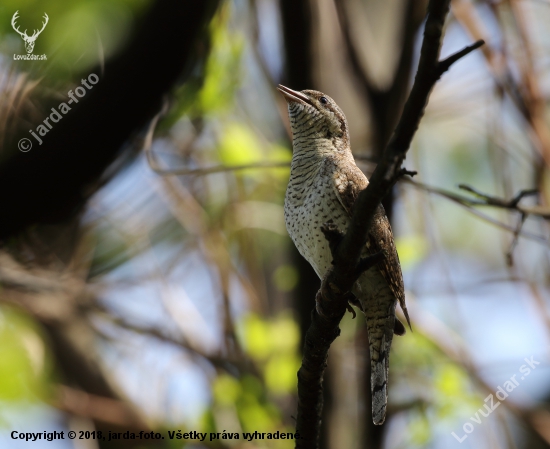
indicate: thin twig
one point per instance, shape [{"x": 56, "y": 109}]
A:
[
  {"x": 219, "y": 361},
  {"x": 510, "y": 252},
  {"x": 216, "y": 169},
  {"x": 491, "y": 201},
  {"x": 468, "y": 203},
  {"x": 113, "y": 412},
  {"x": 508, "y": 204}
]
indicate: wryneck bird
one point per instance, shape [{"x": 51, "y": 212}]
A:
[{"x": 323, "y": 186}]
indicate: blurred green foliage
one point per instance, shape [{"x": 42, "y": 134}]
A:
[
  {"x": 223, "y": 68},
  {"x": 211, "y": 88},
  {"x": 239, "y": 145},
  {"x": 249, "y": 403},
  {"x": 25, "y": 365},
  {"x": 273, "y": 344}
]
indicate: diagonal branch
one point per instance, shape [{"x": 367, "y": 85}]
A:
[
  {"x": 333, "y": 296},
  {"x": 448, "y": 62}
]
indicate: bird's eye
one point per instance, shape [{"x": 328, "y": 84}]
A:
[{"x": 323, "y": 100}]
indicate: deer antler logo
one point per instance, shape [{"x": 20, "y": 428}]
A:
[{"x": 29, "y": 40}]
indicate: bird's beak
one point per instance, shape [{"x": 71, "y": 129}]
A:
[{"x": 293, "y": 95}]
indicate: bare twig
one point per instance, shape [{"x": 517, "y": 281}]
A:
[
  {"x": 499, "y": 202},
  {"x": 468, "y": 203},
  {"x": 488, "y": 200},
  {"x": 107, "y": 410},
  {"x": 510, "y": 252},
  {"x": 333, "y": 295},
  {"x": 216, "y": 169},
  {"x": 221, "y": 362},
  {"x": 525, "y": 93}
]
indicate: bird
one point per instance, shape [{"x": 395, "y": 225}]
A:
[{"x": 323, "y": 187}]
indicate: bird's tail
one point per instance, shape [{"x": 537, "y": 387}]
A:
[{"x": 380, "y": 339}]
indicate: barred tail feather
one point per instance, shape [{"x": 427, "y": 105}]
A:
[
  {"x": 379, "y": 313},
  {"x": 379, "y": 345},
  {"x": 379, "y": 388}
]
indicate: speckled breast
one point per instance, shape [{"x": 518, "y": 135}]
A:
[{"x": 310, "y": 201}]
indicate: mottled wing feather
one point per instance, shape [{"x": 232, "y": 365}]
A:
[
  {"x": 349, "y": 181},
  {"x": 381, "y": 238}
]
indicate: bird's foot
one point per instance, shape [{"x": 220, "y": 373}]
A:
[
  {"x": 353, "y": 301},
  {"x": 322, "y": 298}
]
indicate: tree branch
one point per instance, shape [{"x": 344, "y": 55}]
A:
[
  {"x": 113, "y": 412},
  {"x": 333, "y": 296},
  {"x": 507, "y": 204},
  {"x": 491, "y": 201}
]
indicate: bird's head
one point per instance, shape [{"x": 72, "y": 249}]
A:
[{"x": 314, "y": 115}]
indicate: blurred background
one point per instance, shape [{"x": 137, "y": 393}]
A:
[{"x": 147, "y": 282}]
